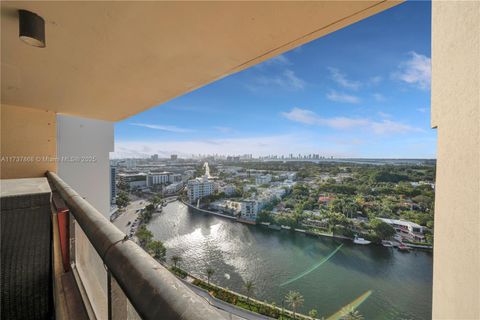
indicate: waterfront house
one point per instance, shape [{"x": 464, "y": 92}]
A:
[{"x": 407, "y": 229}]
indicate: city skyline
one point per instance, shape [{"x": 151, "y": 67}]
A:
[{"x": 361, "y": 92}]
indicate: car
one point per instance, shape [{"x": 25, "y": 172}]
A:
[{"x": 128, "y": 223}]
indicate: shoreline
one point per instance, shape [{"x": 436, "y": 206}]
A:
[{"x": 307, "y": 232}]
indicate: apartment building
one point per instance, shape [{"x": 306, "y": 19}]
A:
[
  {"x": 199, "y": 188},
  {"x": 155, "y": 178}
]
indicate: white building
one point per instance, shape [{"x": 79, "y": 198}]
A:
[
  {"x": 173, "y": 188},
  {"x": 199, "y": 188},
  {"x": 246, "y": 209},
  {"x": 158, "y": 178},
  {"x": 155, "y": 178},
  {"x": 407, "y": 229},
  {"x": 263, "y": 179}
]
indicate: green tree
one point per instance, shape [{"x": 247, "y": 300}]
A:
[
  {"x": 157, "y": 249},
  {"x": 313, "y": 313},
  {"x": 144, "y": 235},
  {"x": 147, "y": 213},
  {"x": 122, "y": 199},
  {"x": 249, "y": 287},
  {"x": 294, "y": 300},
  {"x": 176, "y": 259},
  {"x": 382, "y": 229},
  {"x": 351, "y": 314},
  {"x": 210, "y": 273},
  {"x": 156, "y": 200}
]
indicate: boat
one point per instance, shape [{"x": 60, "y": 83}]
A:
[
  {"x": 358, "y": 240},
  {"x": 387, "y": 243},
  {"x": 403, "y": 247}
]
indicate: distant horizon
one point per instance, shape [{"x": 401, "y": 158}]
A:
[
  {"x": 326, "y": 158},
  {"x": 360, "y": 92}
]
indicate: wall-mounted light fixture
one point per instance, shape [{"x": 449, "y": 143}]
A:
[{"x": 32, "y": 28}]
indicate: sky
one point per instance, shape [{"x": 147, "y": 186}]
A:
[{"x": 361, "y": 92}]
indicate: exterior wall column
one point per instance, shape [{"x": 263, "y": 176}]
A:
[{"x": 455, "y": 114}]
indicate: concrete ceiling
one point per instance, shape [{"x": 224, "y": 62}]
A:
[{"x": 111, "y": 60}]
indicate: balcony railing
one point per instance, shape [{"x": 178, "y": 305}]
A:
[{"x": 151, "y": 289}]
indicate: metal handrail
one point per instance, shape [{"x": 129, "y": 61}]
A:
[{"x": 153, "y": 291}]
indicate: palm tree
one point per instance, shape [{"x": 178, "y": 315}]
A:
[
  {"x": 249, "y": 287},
  {"x": 295, "y": 300},
  {"x": 176, "y": 259},
  {"x": 210, "y": 273},
  {"x": 352, "y": 314}
]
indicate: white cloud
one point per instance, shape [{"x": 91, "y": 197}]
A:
[
  {"x": 422, "y": 110},
  {"x": 342, "y": 97},
  {"x": 341, "y": 79},
  {"x": 224, "y": 129},
  {"x": 378, "y": 127},
  {"x": 375, "y": 80},
  {"x": 384, "y": 115},
  {"x": 415, "y": 71},
  {"x": 388, "y": 126},
  {"x": 287, "y": 80},
  {"x": 301, "y": 115},
  {"x": 293, "y": 80},
  {"x": 280, "y": 59},
  {"x": 379, "y": 97},
  {"x": 162, "y": 127}
]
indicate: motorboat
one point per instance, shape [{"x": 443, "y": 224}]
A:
[
  {"x": 387, "y": 243},
  {"x": 358, "y": 240}
]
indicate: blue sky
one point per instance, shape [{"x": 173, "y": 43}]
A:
[{"x": 363, "y": 91}]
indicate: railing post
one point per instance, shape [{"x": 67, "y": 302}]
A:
[{"x": 63, "y": 218}]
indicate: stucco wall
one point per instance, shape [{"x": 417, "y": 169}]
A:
[
  {"x": 28, "y": 145},
  {"x": 84, "y": 146},
  {"x": 455, "y": 113}
]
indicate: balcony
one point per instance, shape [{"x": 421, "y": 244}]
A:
[
  {"x": 104, "y": 62},
  {"x": 137, "y": 285}
]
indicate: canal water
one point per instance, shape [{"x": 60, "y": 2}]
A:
[{"x": 396, "y": 285}]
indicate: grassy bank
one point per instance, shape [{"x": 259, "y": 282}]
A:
[{"x": 252, "y": 305}]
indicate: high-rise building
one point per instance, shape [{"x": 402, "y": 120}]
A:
[
  {"x": 173, "y": 157},
  {"x": 155, "y": 157}
]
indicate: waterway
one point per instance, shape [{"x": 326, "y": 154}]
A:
[{"x": 327, "y": 276}]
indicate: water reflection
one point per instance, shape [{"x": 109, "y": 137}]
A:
[{"x": 401, "y": 283}]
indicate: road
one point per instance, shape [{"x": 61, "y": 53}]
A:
[{"x": 130, "y": 214}]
